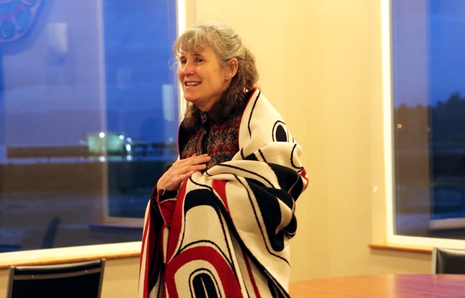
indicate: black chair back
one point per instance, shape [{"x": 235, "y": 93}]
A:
[
  {"x": 448, "y": 261},
  {"x": 74, "y": 280}
]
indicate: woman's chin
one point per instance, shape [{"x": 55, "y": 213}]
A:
[{"x": 190, "y": 99}]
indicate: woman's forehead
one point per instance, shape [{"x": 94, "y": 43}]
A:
[
  {"x": 190, "y": 46},
  {"x": 200, "y": 50}
]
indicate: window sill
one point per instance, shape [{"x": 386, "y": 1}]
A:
[
  {"x": 401, "y": 247},
  {"x": 70, "y": 254}
]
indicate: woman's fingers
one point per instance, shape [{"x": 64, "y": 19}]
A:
[
  {"x": 195, "y": 159},
  {"x": 181, "y": 170}
]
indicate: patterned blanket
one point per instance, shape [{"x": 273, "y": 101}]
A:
[{"x": 226, "y": 234}]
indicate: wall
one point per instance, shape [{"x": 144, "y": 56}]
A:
[{"x": 320, "y": 66}]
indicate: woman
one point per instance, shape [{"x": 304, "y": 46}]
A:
[{"x": 219, "y": 219}]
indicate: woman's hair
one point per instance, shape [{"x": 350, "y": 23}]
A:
[{"x": 226, "y": 44}]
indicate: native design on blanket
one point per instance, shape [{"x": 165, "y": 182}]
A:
[{"x": 226, "y": 234}]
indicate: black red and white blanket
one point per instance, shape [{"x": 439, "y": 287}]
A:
[{"x": 227, "y": 232}]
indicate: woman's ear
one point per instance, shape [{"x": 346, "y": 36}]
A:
[{"x": 232, "y": 65}]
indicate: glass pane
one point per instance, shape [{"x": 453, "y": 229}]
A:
[
  {"x": 429, "y": 108},
  {"x": 88, "y": 118}
]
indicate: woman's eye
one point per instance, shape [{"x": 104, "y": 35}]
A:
[{"x": 198, "y": 60}]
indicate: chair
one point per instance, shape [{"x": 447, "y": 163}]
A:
[
  {"x": 448, "y": 261},
  {"x": 51, "y": 232},
  {"x": 49, "y": 237},
  {"x": 74, "y": 280}
]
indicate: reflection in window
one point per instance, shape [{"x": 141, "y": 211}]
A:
[
  {"x": 429, "y": 123},
  {"x": 88, "y": 118}
]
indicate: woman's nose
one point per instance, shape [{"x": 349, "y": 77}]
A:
[{"x": 187, "y": 68}]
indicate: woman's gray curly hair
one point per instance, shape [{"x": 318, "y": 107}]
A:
[{"x": 226, "y": 44}]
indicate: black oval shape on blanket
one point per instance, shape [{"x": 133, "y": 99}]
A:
[
  {"x": 204, "y": 286},
  {"x": 280, "y": 132}
]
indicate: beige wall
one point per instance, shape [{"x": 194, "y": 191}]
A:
[{"x": 320, "y": 66}]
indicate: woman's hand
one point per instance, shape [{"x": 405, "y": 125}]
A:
[{"x": 181, "y": 170}]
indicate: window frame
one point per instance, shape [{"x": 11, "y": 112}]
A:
[{"x": 388, "y": 121}]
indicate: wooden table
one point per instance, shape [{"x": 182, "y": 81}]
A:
[{"x": 380, "y": 286}]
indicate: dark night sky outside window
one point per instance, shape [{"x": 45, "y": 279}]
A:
[{"x": 88, "y": 119}]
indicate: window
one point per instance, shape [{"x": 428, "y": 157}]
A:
[
  {"x": 427, "y": 122},
  {"x": 88, "y": 118}
]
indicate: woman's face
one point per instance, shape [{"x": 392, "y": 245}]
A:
[{"x": 202, "y": 77}]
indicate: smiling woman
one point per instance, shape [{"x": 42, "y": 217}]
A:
[
  {"x": 202, "y": 78},
  {"x": 221, "y": 217}
]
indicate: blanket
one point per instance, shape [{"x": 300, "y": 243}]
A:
[{"x": 227, "y": 232}]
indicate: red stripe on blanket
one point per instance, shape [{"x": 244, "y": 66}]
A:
[
  {"x": 146, "y": 265},
  {"x": 176, "y": 223},
  {"x": 250, "y": 272},
  {"x": 304, "y": 175},
  {"x": 220, "y": 187}
]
